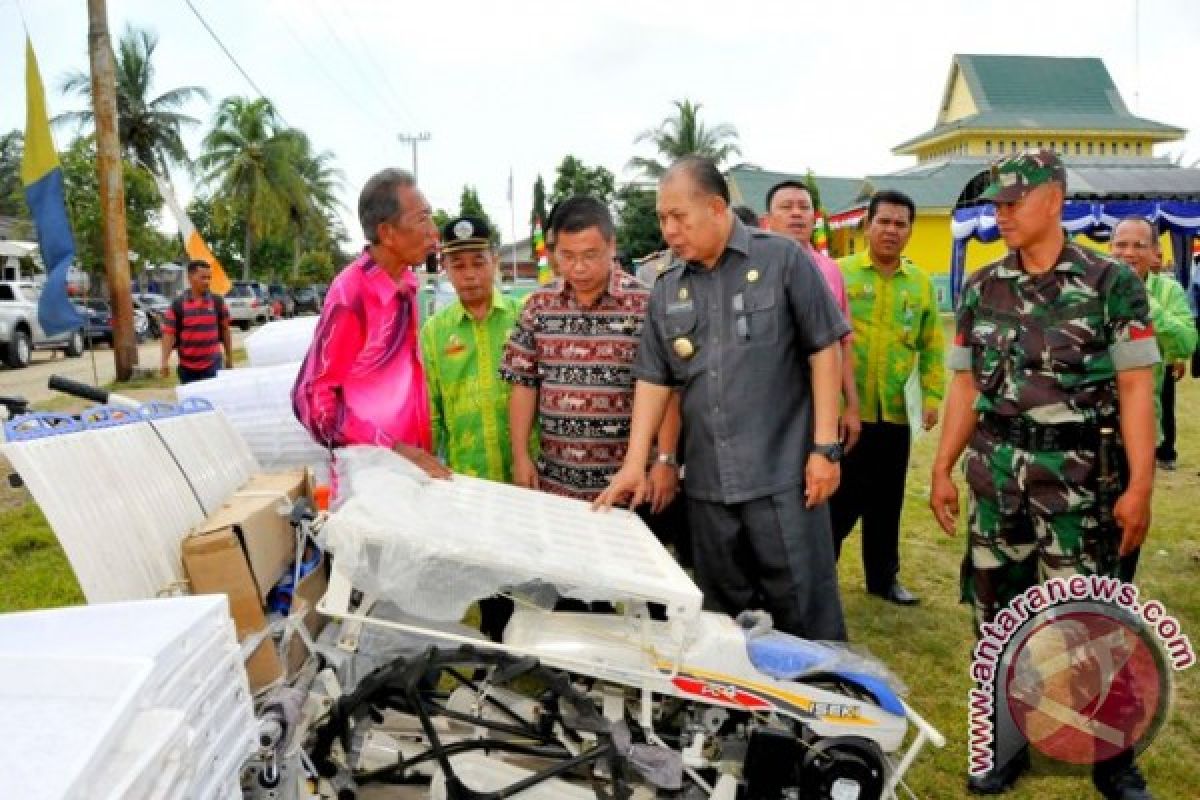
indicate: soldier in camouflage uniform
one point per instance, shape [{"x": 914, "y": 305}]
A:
[{"x": 1053, "y": 343}]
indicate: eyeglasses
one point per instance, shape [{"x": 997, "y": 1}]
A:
[{"x": 591, "y": 258}]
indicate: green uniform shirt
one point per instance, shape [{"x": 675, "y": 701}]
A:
[
  {"x": 1047, "y": 347},
  {"x": 1174, "y": 328},
  {"x": 896, "y": 327},
  {"x": 468, "y": 401}
]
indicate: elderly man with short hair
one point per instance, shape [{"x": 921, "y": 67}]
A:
[{"x": 362, "y": 380}]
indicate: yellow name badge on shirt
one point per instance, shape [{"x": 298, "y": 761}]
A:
[{"x": 455, "y": 346}]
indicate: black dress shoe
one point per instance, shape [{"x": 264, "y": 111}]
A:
[
  {"x": 1123, "y": 784},
  {"x": 1000, "y": 779},
  {"x": 899, "y": 595}
]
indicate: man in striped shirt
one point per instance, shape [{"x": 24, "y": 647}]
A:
[{"x": 198, "y": 321}]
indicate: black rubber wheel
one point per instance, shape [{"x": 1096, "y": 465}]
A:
[
  {"x": 20, "y": 350},
  {"x": 75, "y": 344},
  {"x": 836, "y": 768}
]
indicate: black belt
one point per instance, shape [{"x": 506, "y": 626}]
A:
[{"x": 1020, "y": 432}]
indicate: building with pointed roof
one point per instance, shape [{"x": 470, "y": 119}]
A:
[{"x": 994, "y": 105}]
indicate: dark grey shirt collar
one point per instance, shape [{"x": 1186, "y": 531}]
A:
[{"x": 739, "y": 241}]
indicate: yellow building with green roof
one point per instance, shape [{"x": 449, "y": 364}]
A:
[{"x": 993, "y": 105}]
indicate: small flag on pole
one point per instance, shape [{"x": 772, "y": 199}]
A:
[
  {"x": 193, "y": 245},
  {"x": 45, "y": 195},
  {"x": 821, "y": 234}
]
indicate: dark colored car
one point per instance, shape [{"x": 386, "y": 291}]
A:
[
  {"x": 307, "y": 300},
  {"x": 98, "y": 326},
  {"x": 282, "y": 300}
]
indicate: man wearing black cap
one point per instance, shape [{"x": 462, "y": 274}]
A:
[
  {"x": 1052, "y": 357},
  {"x": 461, "y": 346}
]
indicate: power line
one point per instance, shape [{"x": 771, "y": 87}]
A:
[
  {"x": 229, "y": 55},
  {"x": 379, "y": 70},
  {"x": 352, "y": 59},
  {"x": 367, "y": 114}
]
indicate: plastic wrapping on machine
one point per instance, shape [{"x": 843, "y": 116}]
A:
[
  {"x": 433, "y": 547},
  {"x": 790, "y": 658},
  {"x": 379, "y": 645},
  {"x": 258, "y": 404},
  {"x": 284, "y": 341}
]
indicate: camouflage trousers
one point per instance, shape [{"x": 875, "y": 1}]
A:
[{"x": 1032, "y": 517}]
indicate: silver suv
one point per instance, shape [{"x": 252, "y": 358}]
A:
[
  {"x": 246, "y": 308},
  {"x": 20, "y": 333}
]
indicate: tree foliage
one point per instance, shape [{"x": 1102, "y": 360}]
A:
[
  {"x": 142, "y": 205},
  {"x": 538, "y": 212},
  {"x": 576, "y": 178},
  {"x": 12, "y": 195},
  {"x": 681, "y": 134},
  {"x": 149, "y": 127},
  {"x": 469, "y": 205},
  {"x": 253, "y": 161},
  {"x": 638, "y": 233}
]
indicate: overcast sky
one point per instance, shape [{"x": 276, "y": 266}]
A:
[{"x": 831, "y": 86}]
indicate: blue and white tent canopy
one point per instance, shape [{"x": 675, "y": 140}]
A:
[{"x": 1095, "y": 219}]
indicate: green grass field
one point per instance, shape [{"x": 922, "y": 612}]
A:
[{"x": 927, "y": 646}]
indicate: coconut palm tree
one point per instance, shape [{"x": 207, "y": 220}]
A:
[
  {"x": 309, "y": 220},
  {"x": 684, "y": 134},
  {"x": 149, "y": 127},
  {"x": 250, "y": 159}
]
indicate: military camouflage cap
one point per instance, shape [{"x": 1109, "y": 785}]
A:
[{"x": 1013, "y": 177}]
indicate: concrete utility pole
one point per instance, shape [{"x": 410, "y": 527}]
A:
[
  {"x": 414, "y": 139},
  {"x": 112, "y": 189}
]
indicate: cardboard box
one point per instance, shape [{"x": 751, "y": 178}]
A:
[
  {"x": 241, "y": 551},
  {"x": 252, "y": 515},
  {"x": 216, "y": 564},
  {"x": 311, "y": 589}
]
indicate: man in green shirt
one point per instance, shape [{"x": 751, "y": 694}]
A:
[
  {"x": 1135, "y": 241},
  {"x": 894, "y": 315},
  {"x": 461, "y": 346}
]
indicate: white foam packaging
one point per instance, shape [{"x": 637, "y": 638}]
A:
[
  {"x": 143, "y": 699},
  {"x": 281, "y": 342}
]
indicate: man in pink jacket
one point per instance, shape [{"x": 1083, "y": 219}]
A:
[
  {"x": 791, "y": 213},
  {"x": 362, "y": 380}
]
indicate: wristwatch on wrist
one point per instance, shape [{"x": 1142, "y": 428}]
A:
[
  {"x": 832, "y": 452},
  {"x": 666, "y": 458}
]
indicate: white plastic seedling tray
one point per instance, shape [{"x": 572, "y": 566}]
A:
[
  {"x": 62, "y": 720},
  {"x": 183, "y": 683},
  {"x": 172, "y": 782},
  {"x": 154, "y": 740},
  {"x": 219, "y": 767},
  {"x": 168, "y": 631}
]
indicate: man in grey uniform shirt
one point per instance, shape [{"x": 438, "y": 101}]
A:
[{"x": 747, "y": 330}]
